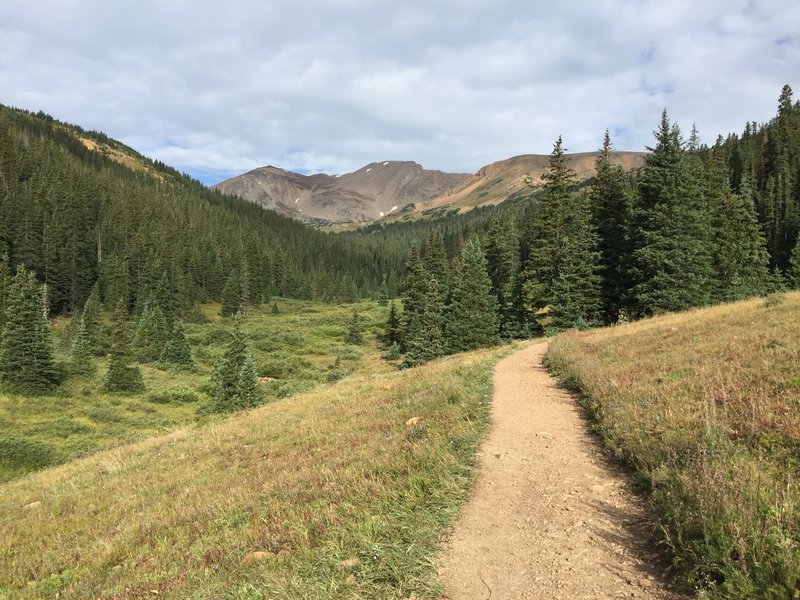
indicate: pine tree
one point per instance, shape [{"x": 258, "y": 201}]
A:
[
  {"x": 121, "y": 376},
  {"x": 394, "y": 331},
  {"x": 502, "y": 257},
  {"x": 248, "y": 393},
  {"x": 426, "y": 335},
  {"x": 671, "y": 266},
  {"x": 545, "y": 230},
  {"x": 575, "y": 297},
  {"x": 355, "y": 330},
  {"x": 611, "y": 200},
  {"x": 116, "y": 274},
  {"x": 177, "y": 352},
  {"x": 91, "y": 321},
  {"x": 793, "y": 274},
  {"x": 231, "y": 296},
  {"x": 225, "y": 380},
  {"x": 151, "y": 333},
  {"x": 383, "y": 295},
  {"x": 471, "y": 316},
  {"x": 434, "y": 258},
  {"x": 5, "y": 282},
  {"x": 415, "y": 288},
  {"x": 26, "y": 348},
  {"x": 739, "y": 250},
  {"x": 80, "y": 358}
]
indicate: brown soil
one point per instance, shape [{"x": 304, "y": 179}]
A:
[{"x": 549, "y": 517}]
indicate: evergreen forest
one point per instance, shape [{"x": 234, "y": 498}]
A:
[{"x": 88, "y": 227}]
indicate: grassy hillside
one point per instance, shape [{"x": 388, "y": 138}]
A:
[
  {"x": 298, "y": 347},
  {"x": 706, "y": 407},
  {"x": 331, "y": 493}
]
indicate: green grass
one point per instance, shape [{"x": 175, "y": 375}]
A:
[
  {"x": 324, "y": 477},
  {"x": 297, "y": 347},
  {"x": 705, "y": 405}
]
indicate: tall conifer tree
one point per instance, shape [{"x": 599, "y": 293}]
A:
[
  {"x": 611, "y": 200},
  {"x": 672, "y": 266},
  {"x": 471, "y": 319},
  {"x": 121, "y": 376},
  {"x": 26, "y": 348}
]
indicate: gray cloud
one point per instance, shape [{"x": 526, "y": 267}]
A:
[{"x": 318, "y": 86}]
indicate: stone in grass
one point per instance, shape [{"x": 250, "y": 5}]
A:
[
  {"x": 414, "y": 421},
  {"x": 348, "y": 564},
  {"x": 257, "y": 556},
  {"x": 350, "y": 580}
]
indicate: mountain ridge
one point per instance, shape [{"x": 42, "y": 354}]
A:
[{"x": 380, "y": 189}]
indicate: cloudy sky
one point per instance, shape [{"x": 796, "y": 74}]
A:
[{"x": 218, "y": 88}]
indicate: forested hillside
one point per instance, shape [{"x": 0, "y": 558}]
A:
[
  {"x": 77, "y": 208},
  {"x": 693, "y": 226}
]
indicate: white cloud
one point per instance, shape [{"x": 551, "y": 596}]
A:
[{"x": 317, "y": 86}]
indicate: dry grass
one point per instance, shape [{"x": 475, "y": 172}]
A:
[
  {"x": 706, "y": 406},
  {"x": 313, "y": 480}
]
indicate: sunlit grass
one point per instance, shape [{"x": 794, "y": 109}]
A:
[
  {"x": 311, "y": 481},
  {"x": 706, "y": 406}
]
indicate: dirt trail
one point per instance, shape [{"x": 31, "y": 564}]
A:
[{"x": 548, "y": 518}]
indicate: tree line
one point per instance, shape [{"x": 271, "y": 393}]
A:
[{"x": 694, "y": 226}]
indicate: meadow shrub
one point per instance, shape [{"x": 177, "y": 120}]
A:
[
  {"x": 18, "y": 453},
  {"x": 175, "y": 395}
]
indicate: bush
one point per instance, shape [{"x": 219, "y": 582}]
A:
[
  {"x": 176, "y": 395},
  {"x": 18, "y": 453}
]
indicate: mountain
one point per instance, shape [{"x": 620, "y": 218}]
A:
[
  {"x": 365, "y": 195},
  {"x": 378, "y": 190}
]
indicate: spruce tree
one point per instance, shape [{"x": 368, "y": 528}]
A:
[
  {"x": 151, "y": 333},
  {"x": 739, "y": 249},
  {"x": 225, "y": 379},
  {"x": 434, "y": 258},
  {"x": 671, "y": 258},
  {"x": 426, "y": 335},
  {"x": 80, "y": 357},
  {"x": 5, "y": 282},
  {"x": 383, "y": 294},
  {"x": 248, "y": 393},
  {"x": 793, "y": 274},
  {"x": 471, "y": 319},
  {"x": 355, "y": 329},
  {"x": 231, "y": 296},
  {"x": 415, "y": 288},
  {"x": 121, "y": 376},
  {"x": 502, "y": 258},
  {"x": 26, "y": 348},
  {"x": 545, "y": 230},
  {"x": 275, "y": 309},
  {"x": 177, "y": 352},
  {"x": 91, "y": 321},
  {"x": 611, "y": 200},
  {"x": 575, "y": 296},
  {"x": 394, "y": 331}
]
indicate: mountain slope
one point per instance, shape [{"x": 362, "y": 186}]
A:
[
  {"x": 380, "y": 189},
  {"x": 367, "y": 194},
  {"x": 77, "y": 207}
]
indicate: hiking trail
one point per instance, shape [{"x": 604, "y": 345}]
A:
[{"x": 549, "y": 518}]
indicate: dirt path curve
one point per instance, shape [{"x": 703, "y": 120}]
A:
[{"x": 548, "y": 518}]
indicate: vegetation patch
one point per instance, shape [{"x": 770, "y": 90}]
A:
[
  {"x": 698, "y": 404},
  {"x": 329, "y": 494}
]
